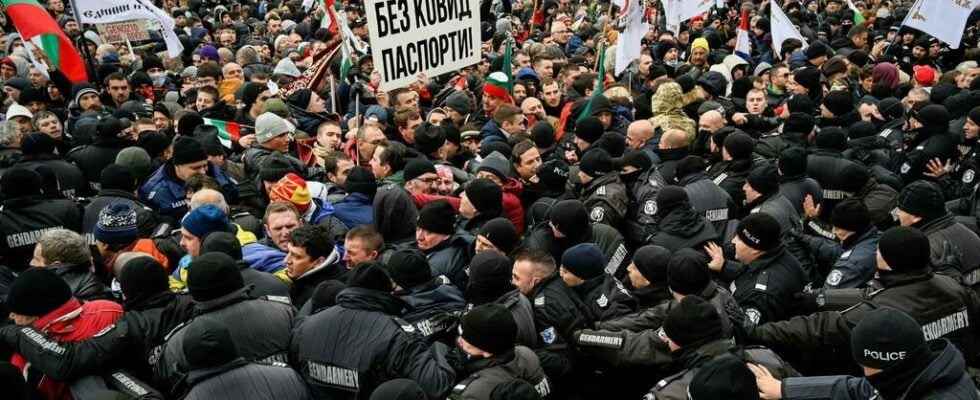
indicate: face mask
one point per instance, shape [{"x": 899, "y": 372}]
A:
[{"x": 158, "y": 78}]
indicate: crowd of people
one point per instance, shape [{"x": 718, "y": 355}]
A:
[{"x": 798, "y": 222}]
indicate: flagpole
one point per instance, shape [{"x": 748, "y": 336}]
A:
[{"x": 83, "y": 49}]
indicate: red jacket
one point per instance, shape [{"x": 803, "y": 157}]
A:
[
  {"x": 513, "y": 209},
  {"x": 74, "y": 321}
]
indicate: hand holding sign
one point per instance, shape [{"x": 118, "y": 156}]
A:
[{"x": 430, "y": 37}]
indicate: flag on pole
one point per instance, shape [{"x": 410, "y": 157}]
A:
[
  {"x": 600, "y": 85},
  {"x": 507, "y": 66},
  {"x": 782, "y": 28},
  {"x": 946, "y": 20},
  {"x": 629, "y": 46},
  {"x": 35, "y": 24},
  {"x": 329, "y": 20},
  {"x": 228, "y": 132},
  {"x": 858, "y": 17},
  {"x": 743, "y": 46}
]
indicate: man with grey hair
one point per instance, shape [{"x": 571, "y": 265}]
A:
[
  {"x": 68, "y": 255},
  {"x": 10, "y": 138}
]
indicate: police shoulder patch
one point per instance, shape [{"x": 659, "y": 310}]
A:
[
  {"x": 834, "y": 278},
  {"x": 845, "y": 255},
  {"x": 753, "y": 315},
  {"x": 602, "y": 301},
  {"x": 597, "y": 214},
  {"x": 601, "y": 190},
  {"x": 650, "y": 207},
  {"x": 968, "y": 176},
  {"x": 539, "y": 301},
  {"x": 905, "y": 168}
]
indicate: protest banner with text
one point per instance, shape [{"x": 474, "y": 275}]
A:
[{"x": 409, "y": 37}]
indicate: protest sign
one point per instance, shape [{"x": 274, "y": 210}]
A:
[
  {"x": 433, "y": 37},
  {"x": 120, "y": 32}
]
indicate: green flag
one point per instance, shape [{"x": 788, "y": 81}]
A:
[
  {"x": 599, "y": 85},
  {"x": 858, "y": 17},
  {"x": 508, "y": 66}
]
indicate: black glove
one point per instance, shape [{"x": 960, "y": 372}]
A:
[
  {"x": 806, "y": 303},
  {"x": 742, "y": 325}
]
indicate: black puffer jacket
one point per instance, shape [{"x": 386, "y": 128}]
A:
[
  {"x": 24, "y": 219},
  {"x": 93, "y": 158},
  {"x": 371, "y": 347},
  {"x": 82, "y": 281},
  {"x": 682, "y": 228}
]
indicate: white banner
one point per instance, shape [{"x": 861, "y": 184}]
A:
[
  {"x": 782, "y": 28},
  {"x": 678, "y": 11},
  {"x": 109, "y": 11},
  {"x": 409, "y": 37},
  {"x": 628, "y": 46},
  {"x": 944, "y": 19}
]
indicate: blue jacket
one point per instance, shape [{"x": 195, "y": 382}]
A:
[
  {"x": 263, "y": 258},
  {"x": 322, "y": 211},
  {"x": 491, "y": 129},
  {"x": 355, "y": 210},
  {"x": 165, "y": 193}
]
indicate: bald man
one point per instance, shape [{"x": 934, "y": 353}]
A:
[
  {"x": 639, "y": 136},
  {"x": 244, "y": 222},
  {"x": 672, "y": 148}
]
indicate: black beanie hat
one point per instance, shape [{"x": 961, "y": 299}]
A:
[
  {"x": 792, "y": 161},
  {"x": 726, "y": 377},
  {"x": 188, "y": 122},
  {"x": 37, "y": 143},
  {"x": 759, "y": 231},
  {"x": 300, "y": 98},
  {"x": 569, "y": 217},
  {"x": 208, "y": 344},
  {"x": 839, "y": 102},
  {"x": 809, "y": 78},
  {"x": 409, "y": 268},
  {"x": 924, "y": 199},
  {"x": 816, "y": 50},
  {"x": 764, "y": 179},
  {"x": 974, "y": 115},
  {"x": 851, "y": 215},
  {"x": 274, "y": 167},
  {"x": 501, "y": 233},
  {"x": 854, "y": 177},
  {"x": 933, "y": 116},
  {"x": 117, "y": 177},
  {"x": 141, "y": 278},
  {"x": 154, "y": 143},
  {"x": 187, "y": 150},
  {"x": 438, "y": 217},
  {"x": 596, "y": 163},
  {"x": 222, "y": 242},
  {"x": 861, "y": 129},
  {"x": 671, "y": 197},
  {"x": 832, "y": 138},
  {"x": 904, "y": 249},
  {"x": 19, "y": 182},
  {"x": 638, "y": 159},
  {"x": 543, "y": 134},
  {"x": 251, "y": 92},
  {"x": 584, "y": 260},
  {"x": 325, "y": 294},
  {"x": 651, "y": 261},
  {"x": 553, "y": 175},
  {"x": 799, "y": 122},
  {"x": 361, "y": 180},
  {"x": 693, "y": 320},
  {"x": 371, "y": 275},
  {"x": 429, "y": 138},
  {"x": 859, "y": 58},
  {"x": 489, "y": 327},
  {"x": 212, "y": 275},
  {"x": 891, "y": 108},
  {"x": 689, "y": 165},
  {"x": 887, "y": 338},
  {"x": 613, "y": 143},
  {"x": 687, "y": 272},
  {"x": 589, "y": 129},
  {"x": 739, "y": 145},
  {"x": 485, "y": 196},
  {"x": 489, "y": 278},
  {"x": 417, "y": 167},
  {"x": 36, "y": 292}
]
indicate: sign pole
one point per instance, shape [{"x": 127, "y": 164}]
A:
[{"x": 83, "y": 48}]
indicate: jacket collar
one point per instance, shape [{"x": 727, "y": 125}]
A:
[
  {"x": 59, "y": 320},
  {"x": 234, "y": 297}
]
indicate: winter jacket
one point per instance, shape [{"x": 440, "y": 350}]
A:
[
  {"x": 247, "y": 381},
  {"x": 608, "y": 239},
  {"x": 373, "y": 347},
  {"x": 71, "y": 180},
  {"x": 93, "y": 158},
  {"x": 682, "y": 228},
  {"x": 607, "y": 200},
  {"x": 944, "y": 378},
  {"x": 946, "y": 235},
  {"x": 605, "y": 297},
  {"x": 711, "y": 201},
  {"x": 73, "y": 321},
  {"x": 765, "y": 287},
  {"x": 485, "y": 374},
  {"x": 428, "y": 303},
  {"x": 558, "y": 313},
  {"x": 641, "y": 214},
  {"x": 263, "y": 284},
  {"x": 264, "y": 258},
  {"x": 24, "y": 219},
  {"x": 303, "y": 286},
  {"x": 82, "y": 281},
  {"x": 164, "y": 192},
  {"x": 852, "y": 263},
  {"x": 450, "y": 258},
  {"x": 796, "y": 188},
  {"x": 731, "y": 176},
  {"x": 827, "y": 167},
  {"x": 354, "y": 210}
]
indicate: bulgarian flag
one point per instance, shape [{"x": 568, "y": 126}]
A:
[
  {"x": 497, "y": 86},
  {"x": 329, "y": 16},
  {"x": 35, "y": 24},
  {"x": 858, "y": 17},
  {"x": 600, "y": 85},
  {"x": 507, "y": 67},
  {"x": 228, "y": 132}
]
